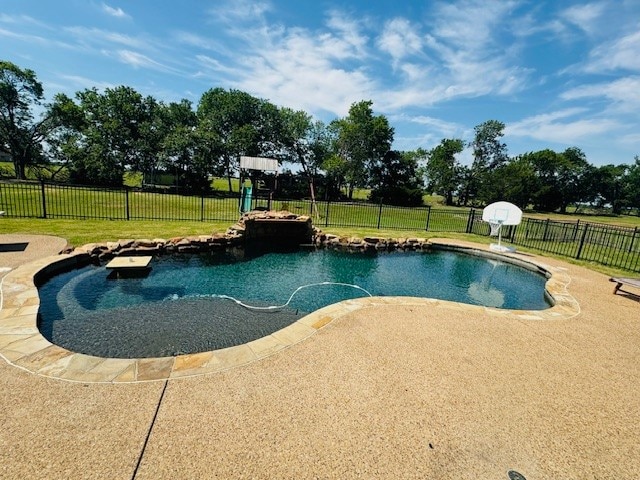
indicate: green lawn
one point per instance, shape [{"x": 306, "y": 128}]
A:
[
  {"x": 151, "y": 210},
  {"x": 80, "y": 232}
]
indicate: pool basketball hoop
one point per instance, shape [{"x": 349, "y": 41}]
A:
[{"x": 498, "y": 214}]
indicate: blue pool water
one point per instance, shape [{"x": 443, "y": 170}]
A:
[{"x": 176, "y": 308}]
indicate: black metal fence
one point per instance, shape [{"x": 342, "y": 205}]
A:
[{"x": 604, "y": 244}]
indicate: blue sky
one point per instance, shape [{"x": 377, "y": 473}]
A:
[{"x": 557, "y": 73}]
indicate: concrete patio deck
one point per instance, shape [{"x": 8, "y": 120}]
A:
[{"x": 433, "y": 390}]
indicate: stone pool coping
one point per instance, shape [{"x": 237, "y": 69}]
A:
[{"x": 22, "y": 345}]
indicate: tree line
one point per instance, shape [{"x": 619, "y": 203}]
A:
[
  {"x": 95, "y": 136},
  {"x": 544, "y": 180}
]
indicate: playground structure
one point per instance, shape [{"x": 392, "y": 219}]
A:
[{"x": 258, "y": 187}]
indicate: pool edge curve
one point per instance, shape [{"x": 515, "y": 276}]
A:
[{"x": 23, "y": 346}]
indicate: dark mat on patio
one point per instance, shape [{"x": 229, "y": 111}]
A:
[{"x": 13, "y": 247}]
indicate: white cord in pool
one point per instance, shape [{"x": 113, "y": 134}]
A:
[{"x": 276, "y": 307}]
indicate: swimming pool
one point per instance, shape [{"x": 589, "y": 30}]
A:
[{"x": 176, "y": 309}]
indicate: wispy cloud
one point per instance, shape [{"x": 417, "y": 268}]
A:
[
  {"x": 621, "y": 53},
  {"x": 22, "y": 20},
  {"x": 445, "y": 59},
  {"x": 199, "y": 41},
  {"x": 75, "y": 82},
  {"x": 114, "y": 12},
  {"x": 312, "y": 70},
  {"x": 400, "y": 39},
  {"x": 587, "y": 17},
  {"x": 568, "y": 126},
  {"x": 35, "y": 39},
  {"x": 447, "y": 129},
  {"x": 624, "y": 93},
  {"x": 138, "y": 60},
  {"x": 238, "y": 10},
  {"x": 97, "y": 36}
]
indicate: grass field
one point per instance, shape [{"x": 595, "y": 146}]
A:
[
  {"x": 82, "y": 232},
  {"x": 142, "y": 211}
]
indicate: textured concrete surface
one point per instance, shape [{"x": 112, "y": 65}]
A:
[
  {"x": 414, "y": 391},
  {"x": 38, "y": 246}
]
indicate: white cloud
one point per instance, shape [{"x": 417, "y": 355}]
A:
[
  {"x": 114, "y": 12},
  {"x": 399, "y": 39},
  {"x": 470, "y": 25},
  {"x": 138, "y": 60},
  {"x": 199, "y": 41},
  {"x": 445, "y": 59},
  {"x": 586, "y": 17},
  {"x": 621, "y": 53},
  {"x": 98, "y": 36},
  {"x": 318, "y": 71},
  {"x": 631, "y": 139},
  {"x": 624, "y": 93},
  {"x": 237, "y": 10},
  {"x": 349, "y": 33},
  {"x": 559, "y": 127},
  {"x": 22, "y": 20},
  {"x": 80, "y": 82},
  {"x": 35, "y": 39},
  {"x": 447, "y": 129}
]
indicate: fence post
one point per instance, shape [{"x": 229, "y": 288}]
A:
[
  {"x": 44, "y": 199},
  {"x": 202, "y": 207},
  {"x": 470, "y": 220},
  {"x": 584, "y": 235},
  {"x": 575, "y": 231},
  {"x": 126, "y": 202},
  {"x": 546, "y": 228},
  {"x": 428, "y": 217},
  {"x": 380, "y": 213},
  {"x": 326, "y": 216},
  {"x": 633, "y": 238}
]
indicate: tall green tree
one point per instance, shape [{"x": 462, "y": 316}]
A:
[
  {"x": 229, "y": 125},
  {"x": 573, "y": 177},
  {"x": 118, "y": 129},
  {"x": 397, "y": 179},
  {"x": 303, "y": 142},
  {"x": 514, "y": 181},
  {"x": 489, "y": 153},
  {"x": 611, "y": 181},
  {"x": 362, "y": 140},
  {"x": 178, "y": 153},
  {"x": 633, "y": 184},
  {"x": 20, "y": 134},
  {"x": 443, "y": 169}
]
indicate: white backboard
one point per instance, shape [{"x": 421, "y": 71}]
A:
[{"x": 502, "y": 212}]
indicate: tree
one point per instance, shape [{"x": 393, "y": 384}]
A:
[
  {"x": 397, "y": 179},
  {"x": 335, "y": 168},
  {"x": 632, "y": 186},
  {"x": 572, "y": 177},
  {"x": 443, "y": 170},
  {"x": 488, "y": 154},
  {"x": 179, "y": 146},
  {"x": 514, "y": 182},
  {"x": 546, "y": 164},
  {"x": 611, "y": 181},
  {"x": 20, "y": 135},
  {"x": 64, "y": 144},
  {"x": 362, "y": 139},
  {"x": 303, "y": 142},
  {"x": 229, "y": 125},
  {"x": 118, "y": 129}
]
